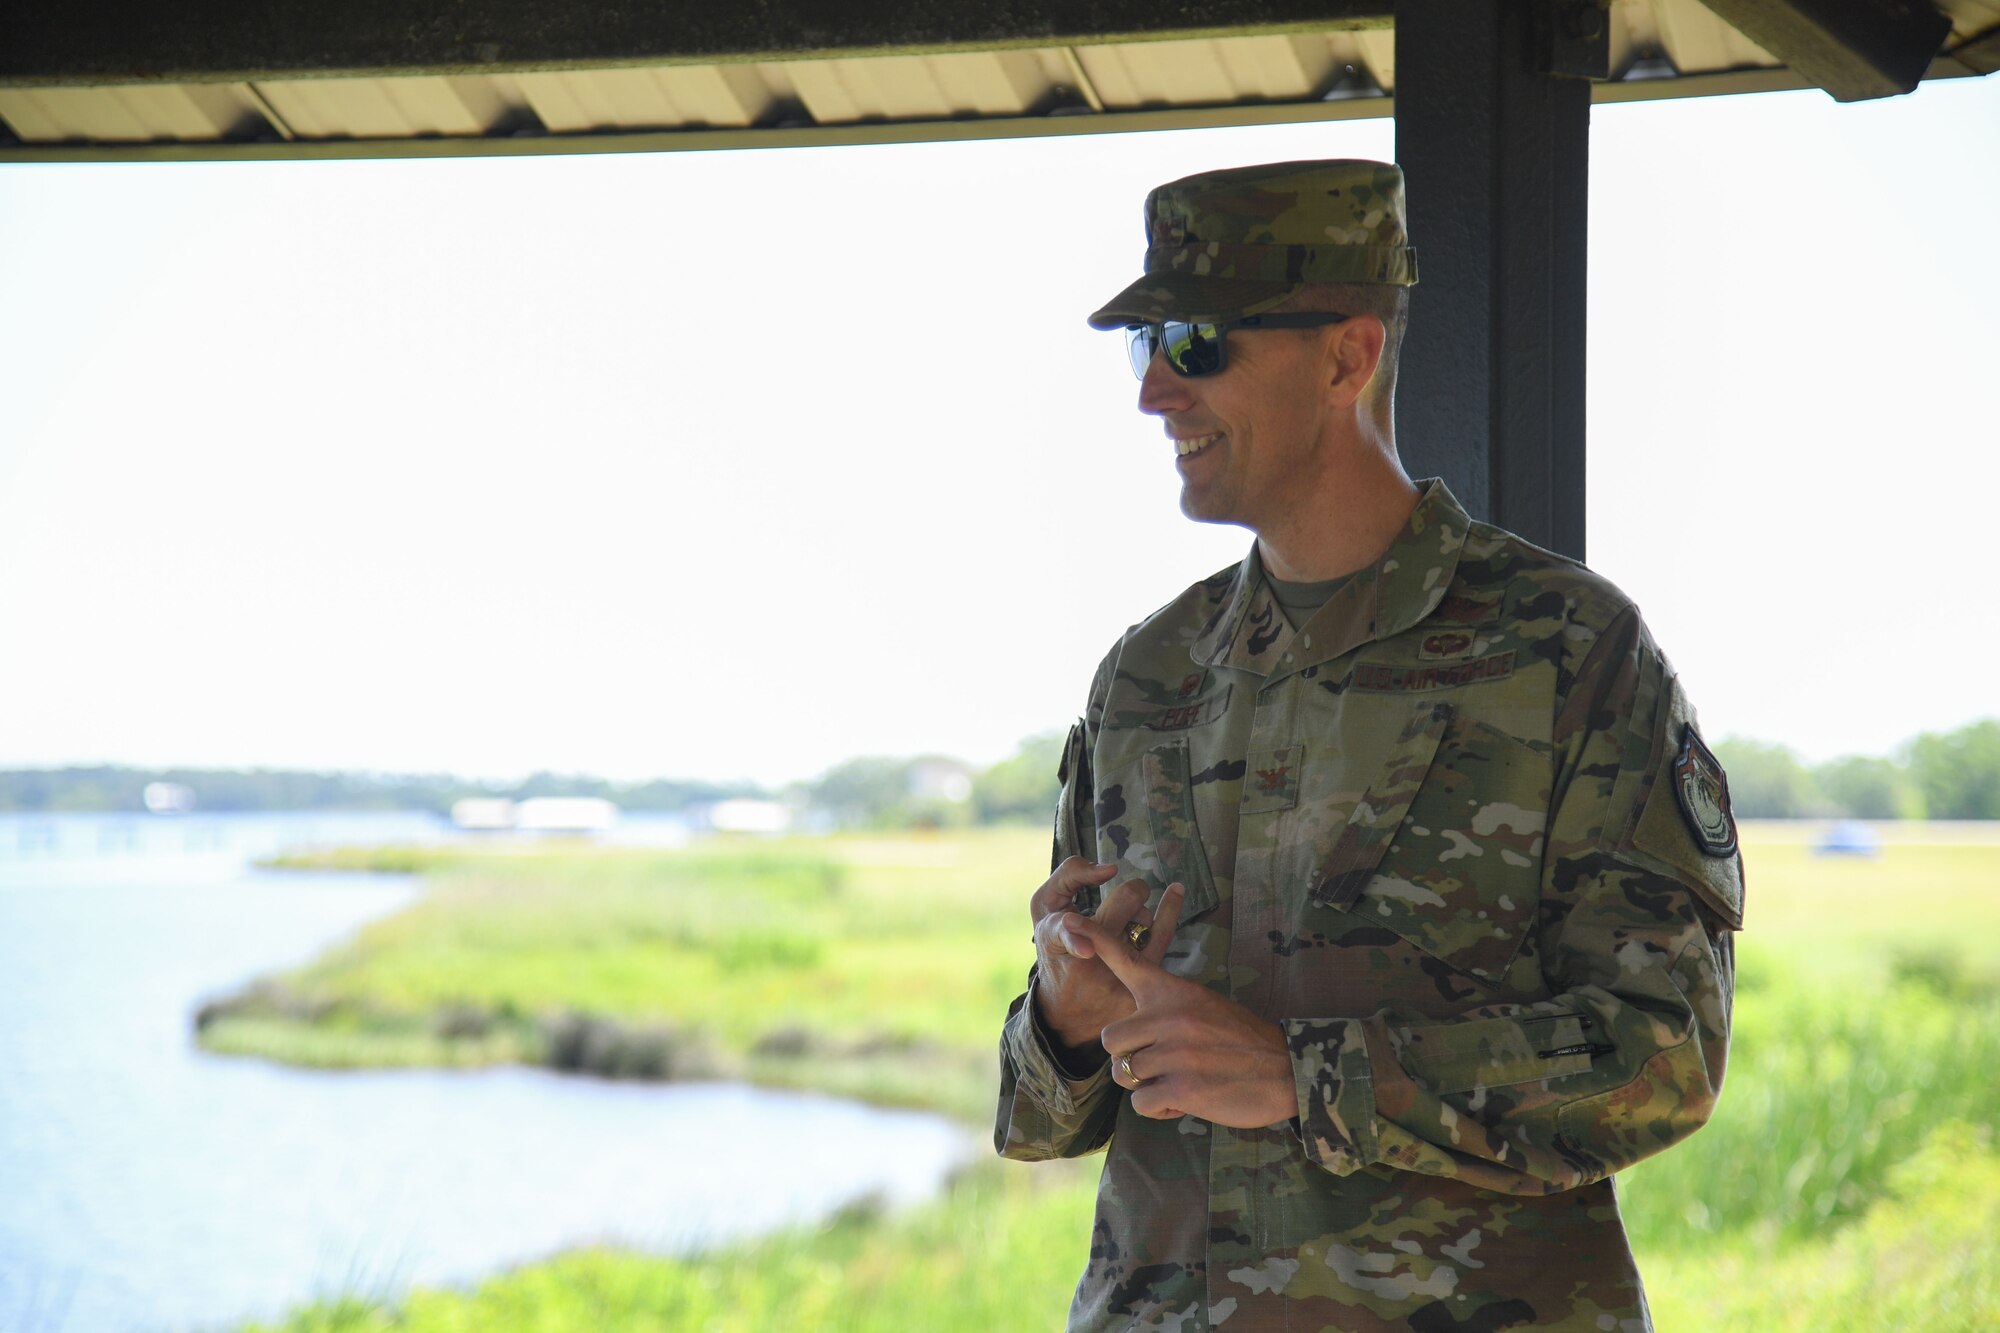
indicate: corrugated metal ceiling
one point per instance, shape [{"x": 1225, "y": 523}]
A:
[{"x": 1659, "y": 48}]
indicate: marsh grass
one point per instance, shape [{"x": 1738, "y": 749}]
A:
[
  {"x": 1849, "y": 1180},
  {"x": 876, "y": 968},
  {"x": 1922, "y": 1257},
  {"x": 1828, "y": 1090},
  {"x": 997, "y": 1252}
]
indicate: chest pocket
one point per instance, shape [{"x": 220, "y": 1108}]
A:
[
  {"x": 1445, "y": 848},
  {"x": 1146, "y": 822}
]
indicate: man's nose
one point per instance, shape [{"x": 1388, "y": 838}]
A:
[{"x": 1161, "y": 390}]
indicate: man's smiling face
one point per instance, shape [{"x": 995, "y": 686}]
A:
[{"x": 1244, "y": 438}]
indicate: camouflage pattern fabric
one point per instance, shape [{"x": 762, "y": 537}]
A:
[
  {"x": 1433, "y": 832},
  {"x": 1226, "y": 244}
]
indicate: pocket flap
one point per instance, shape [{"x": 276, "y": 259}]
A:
[
  {"x": 1372, "y": 826},
  {"x": 1178, "y": 853},
  {"x": 1460, "y": 875}
]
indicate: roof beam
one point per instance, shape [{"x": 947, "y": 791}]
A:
[
  {"x": 1980, "y": 54},
  {"x": 199, "y": 41},
  {"x": 1854, "y": 49}
]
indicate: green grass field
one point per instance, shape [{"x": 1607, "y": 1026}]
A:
[{"x": 1849, "y": 1181}]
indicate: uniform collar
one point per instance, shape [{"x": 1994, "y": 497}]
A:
[{"x": 1248, "y": 631}]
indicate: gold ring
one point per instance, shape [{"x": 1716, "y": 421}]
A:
[
  {"x": 1125, "y": 1068},
  {"x": 1138, "y": 933}
]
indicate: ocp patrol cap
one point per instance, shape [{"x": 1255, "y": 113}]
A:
[{"x": 1225, "y": 244}]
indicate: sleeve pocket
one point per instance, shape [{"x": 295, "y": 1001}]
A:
[{"x": 1495, "y": 1052}]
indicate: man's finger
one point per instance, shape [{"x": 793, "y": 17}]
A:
[
  {"x": 1088, "y": 937},
  {"x": 1049, "y": 935},
  {"x": 1155, "y": 1100},
  {"x": 1076, "y": 871},
  {"x": 1068, "y": 932},
  {"x": 1062, "y": 886},
  {"x": 1165, "y": 922},
  {"x": 1142, "y": 975},
  {"x": 1121, "y": 904},
  {"x": 1105, "y": 935},
  {"x": 1077, "y": 934}
]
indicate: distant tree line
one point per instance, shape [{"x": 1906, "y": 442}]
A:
[
  {"x": 111, "y": 788},
  {"x": 927, "y": 791},
  {"x": 1949, "y": 775},
  {"x": 1939, "y": 775},
  {"x": 878, "y": 791}
]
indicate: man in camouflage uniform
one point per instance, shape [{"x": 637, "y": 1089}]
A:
[{"x": 1424, "y": 879}]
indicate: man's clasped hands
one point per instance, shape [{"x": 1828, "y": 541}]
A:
[{"x": 1181, "y": 1048}]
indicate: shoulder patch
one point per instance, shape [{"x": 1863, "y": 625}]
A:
[
  {"x": 1702, "y": 789},
  {"x": 1691, "y": 834}
]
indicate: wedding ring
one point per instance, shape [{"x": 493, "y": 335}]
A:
[
  {"x": 1125, "y": 1070},
  {"x": 1138, "y": 933}
]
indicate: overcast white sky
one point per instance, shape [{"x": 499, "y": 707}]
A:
[{"x": 737, "y": 465}]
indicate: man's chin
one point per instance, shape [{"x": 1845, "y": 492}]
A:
[{"x": 1202, "y": 509}]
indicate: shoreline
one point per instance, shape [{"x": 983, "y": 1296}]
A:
[{"x": 489, "y": 966}]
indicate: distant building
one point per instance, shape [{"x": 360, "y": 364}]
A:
[
  {"x": 565, "y": 814},
  {"x": 483, "y": 814},
  {"x": 168, "y": 798},
  {"x": 745, "y": 815},
  {"x": 539, "y": 814},
  {"x": 938, "y": 779}
]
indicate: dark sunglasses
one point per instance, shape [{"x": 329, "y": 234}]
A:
[{"x": 1194, "y": 350}]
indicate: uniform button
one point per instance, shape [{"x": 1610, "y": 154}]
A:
[{"x": 1307, "y": 641}]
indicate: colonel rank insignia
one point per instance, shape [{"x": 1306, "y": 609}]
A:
[{"x": 1703, "y": 790}]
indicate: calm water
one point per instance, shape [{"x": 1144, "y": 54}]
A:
[{"x": 145, "y": 1185}]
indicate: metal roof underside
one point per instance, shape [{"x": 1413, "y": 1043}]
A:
[{"x": 1308, "y": 69}]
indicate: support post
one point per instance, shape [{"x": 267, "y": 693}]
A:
[{"x": 1496, "y": 153}]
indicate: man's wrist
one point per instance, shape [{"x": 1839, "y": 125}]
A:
[{"x": 1077, "y": 1060}]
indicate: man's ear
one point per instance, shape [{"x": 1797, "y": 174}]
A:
[{"x": 1353, "y": 354}]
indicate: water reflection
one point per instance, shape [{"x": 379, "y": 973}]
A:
[{"x": 148, "y": 1185}]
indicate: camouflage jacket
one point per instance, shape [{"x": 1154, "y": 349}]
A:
[{"x": 1456, "y": 834}]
